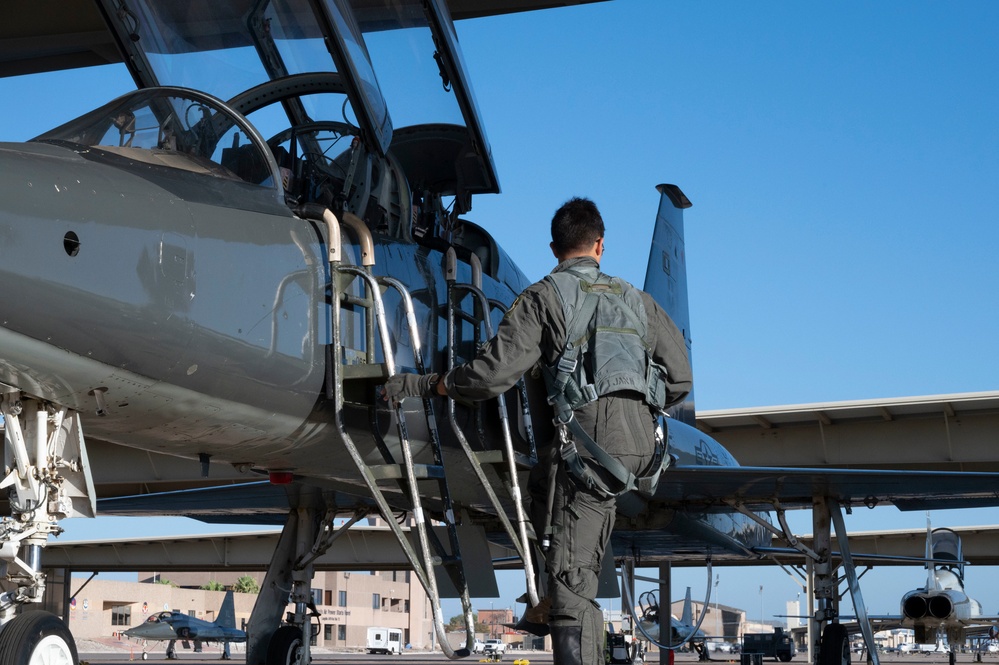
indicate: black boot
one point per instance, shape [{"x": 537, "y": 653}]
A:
[{"x": 566, "y": 645}]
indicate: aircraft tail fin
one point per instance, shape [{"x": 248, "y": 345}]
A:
[
  {"x": 687, "y": 616},
  {"x": 227, "y": 613},
  {"x": 666, "y": 275},
  {"x": 931, "y": 578}
]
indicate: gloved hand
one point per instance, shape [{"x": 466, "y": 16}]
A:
[{"x": 400, "y": 386}]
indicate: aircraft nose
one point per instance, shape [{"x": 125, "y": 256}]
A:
[{"x": 151, "y": 631}]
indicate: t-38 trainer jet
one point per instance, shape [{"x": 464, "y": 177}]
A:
[
  {"x": 207, "y": 280},
  {"x": 175, "y": 625}
]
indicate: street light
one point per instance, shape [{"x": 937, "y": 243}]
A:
[{"x": 719, "y": 624}]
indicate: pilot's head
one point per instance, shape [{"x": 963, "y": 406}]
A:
[{"x": 577, "y": 230}]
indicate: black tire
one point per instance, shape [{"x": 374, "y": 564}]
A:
[
  {"x": 34, "y": 638},
  {"x": 834, "y": 649},
  {"x": 284, "y": 646},
  {"x": 785, "y": 657}
]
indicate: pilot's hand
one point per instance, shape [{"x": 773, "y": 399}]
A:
[{"x": 400, "y": 386}]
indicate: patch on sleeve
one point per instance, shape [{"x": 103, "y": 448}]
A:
[{"x": 516, "y": 302}]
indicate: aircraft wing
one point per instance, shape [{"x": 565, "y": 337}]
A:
[
  {"x": 51, "y": 35},
  {"x": 686, "y": 488},
  {"x": 758, "y": 488}
]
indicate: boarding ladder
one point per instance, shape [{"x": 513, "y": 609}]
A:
[
  {"x": 521, "y": 533},
  {"x": 408, "y": 472}
]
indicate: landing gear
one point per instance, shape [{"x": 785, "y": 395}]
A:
[
  {"x": 835, "y": 646},
  {"x": 37, "y": 638},
  {"x": 285, "y": 647},
  {"x": 47, "y": 478}
]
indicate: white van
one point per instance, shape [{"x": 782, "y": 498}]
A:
[{"x": 385, "y": 640}]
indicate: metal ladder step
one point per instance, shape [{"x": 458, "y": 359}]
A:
[{"x": 398, "y": 471}]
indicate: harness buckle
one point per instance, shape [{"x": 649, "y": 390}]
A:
[{"x": 567, "y": 365}]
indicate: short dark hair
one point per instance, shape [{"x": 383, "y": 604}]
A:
[{"x": 576, "y": 225}]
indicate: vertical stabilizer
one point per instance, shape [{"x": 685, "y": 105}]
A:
[
  {"x": 227, "y": 613},
  {"x": 931, "y": 578},
  {"x": 687, "y": 617},
  {"x": 666, "y": 275}
]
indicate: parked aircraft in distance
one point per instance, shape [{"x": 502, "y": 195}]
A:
[
  {"x": 175, "y": 625},
  {"x": 940, "y": 612},
  {"x": 207, "y": 280}
]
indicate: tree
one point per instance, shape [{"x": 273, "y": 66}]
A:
[
  {"x": 457, "y": 622},
  {"x": 213, "y": 585},
  {"x": 246, "y": 584}
]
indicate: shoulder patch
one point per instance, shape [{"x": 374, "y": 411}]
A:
[{"x": 516, "y": 302}]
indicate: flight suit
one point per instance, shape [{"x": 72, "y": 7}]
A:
[{"x": 622, "y": 424}]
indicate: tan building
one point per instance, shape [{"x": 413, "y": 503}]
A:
[{"x": 348, "y": 604}]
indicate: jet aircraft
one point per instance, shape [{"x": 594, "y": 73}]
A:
[
  {"x": 207, "y": 280},
  {"x": 175, "y": 625},
  {"x": 940, "y": 610}
]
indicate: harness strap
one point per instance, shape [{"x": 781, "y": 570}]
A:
[{"x": 627, "y": 480}]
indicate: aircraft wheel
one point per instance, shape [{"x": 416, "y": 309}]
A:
[
  {"x": 37, "y": 638},
  {"x": 834, "y": 649},
  {"x": 285, "y": 646},
  {"x": 145, "y": 656}
]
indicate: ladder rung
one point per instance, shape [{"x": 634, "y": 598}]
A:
[
  {"x": 397, "y": 471},
  {"x": 364, "y": 371},
  {"x": 496, "y": 457}
]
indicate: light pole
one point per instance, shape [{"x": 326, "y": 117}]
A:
[
  {"x": 761, "y": 607},
  {"x": 719, "y": 624}
]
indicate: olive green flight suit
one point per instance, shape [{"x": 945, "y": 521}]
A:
[{"x": 534, "y": 330}]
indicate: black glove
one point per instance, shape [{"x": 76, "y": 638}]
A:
[{"x": 400, "y": 386}]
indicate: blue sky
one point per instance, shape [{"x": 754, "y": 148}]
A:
[{"x": 842, "y": 160}]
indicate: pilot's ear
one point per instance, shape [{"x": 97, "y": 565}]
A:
[{"x": 552, "y": 245}]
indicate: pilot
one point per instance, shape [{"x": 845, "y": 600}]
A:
[{"x": 612, "y": 359}]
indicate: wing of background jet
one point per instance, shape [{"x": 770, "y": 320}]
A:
[
  {"x": 50, "y": 35},
  {"x": 760, "y": 488}
]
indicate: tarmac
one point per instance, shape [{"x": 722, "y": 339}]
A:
[{"x": 115, "y": 652}]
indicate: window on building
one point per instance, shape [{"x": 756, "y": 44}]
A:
[
  {"x": 343, "y": 599},
  {"x": 121, "y": 615},
  {"x": 317, "y": 596},
  {"x": 376, "y": 601},
  {"x": 341, "y": 632},
  {"x": 327, "y": 632},
  {"x": 328, "y": 597}
]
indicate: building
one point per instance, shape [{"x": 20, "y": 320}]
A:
[
  {"x": 495, "y": 622},
  {"x": 348, "y": 604}
]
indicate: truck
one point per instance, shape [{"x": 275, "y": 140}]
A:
[
  {"x": 777, "y": 645},
  {"x": 384, "y": 640},
  {"x": 494, "y": 649}
]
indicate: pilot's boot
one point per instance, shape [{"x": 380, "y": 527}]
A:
[{"x": 566, "y": 645}]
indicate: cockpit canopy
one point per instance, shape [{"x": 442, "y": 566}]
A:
[
  {"x": 181, "y": 129},
  {"x": 227, "y": 47}
]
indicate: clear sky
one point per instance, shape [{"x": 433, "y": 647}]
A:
[{"x": 842, "y": 159}]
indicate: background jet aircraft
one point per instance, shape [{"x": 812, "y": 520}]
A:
[
  {"x": 175, "y": 625},
  {"x": 941, "y": 609},
  {"x": 224, "y": 265}
]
